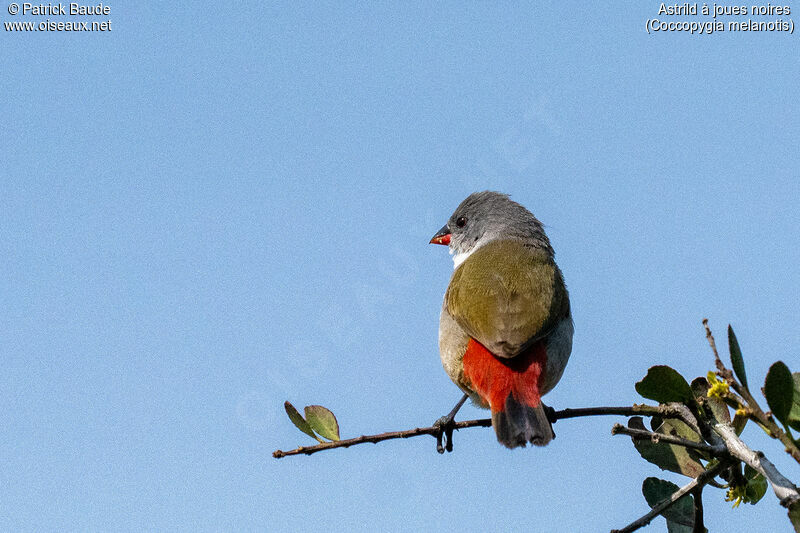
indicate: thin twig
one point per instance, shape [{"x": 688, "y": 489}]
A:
[
  {"x": 666, "y": 411},
  {"x": 643, "y": 434},
  {"x": 669, "y": 410},
  {"x": 636, "y": 409},
  {"x": 666, "y": 503},
  {"x": 698, "y": 527},
  {"x": 713, "y": 345},
  {"x": 346, "y": 443}
]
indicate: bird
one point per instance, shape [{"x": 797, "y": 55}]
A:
[{"x": 505, "y": 328}]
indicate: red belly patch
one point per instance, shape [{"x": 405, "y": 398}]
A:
[{"x": 494, "y": 378}]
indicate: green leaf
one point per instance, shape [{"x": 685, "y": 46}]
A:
[
  {"x": 323, "y": 421},
  {"x": 779, "y": 390},
  {"x": 739, "y": 422},
  {"x": 680, "y": 517},
  {"x": 664, "y": 384},
  {"x": 756, "y": 485},
  {"x": 674, "y": 527},
  {"x": 719, "y": 410},
  {"x": 298, "y": 420},
  {"x": 736, "y": 357},
  {"x": 794, "y": 516},
  {"x": 794, "y": 412},
  {"x": 670, "y": 457}
]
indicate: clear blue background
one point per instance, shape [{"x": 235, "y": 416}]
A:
[{"x": 213, "y": 209}]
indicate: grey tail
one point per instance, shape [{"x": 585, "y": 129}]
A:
[{"x": 519, "y": 424}]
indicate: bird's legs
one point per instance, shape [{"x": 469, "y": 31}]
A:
[{"x": 445, "y": 426}]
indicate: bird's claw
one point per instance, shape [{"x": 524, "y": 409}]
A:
[
  {"x": 444, "y": 434},
  {"x": 445, "y": 426}
]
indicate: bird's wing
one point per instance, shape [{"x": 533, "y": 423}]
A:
[{"x": 507, "y": 296}]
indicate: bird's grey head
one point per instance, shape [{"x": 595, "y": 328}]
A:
[{"x": 488, "y": 215}]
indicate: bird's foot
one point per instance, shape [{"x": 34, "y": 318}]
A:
[
  {"x": 445, "y": 426},
  {"x": 444, "y": 433}
]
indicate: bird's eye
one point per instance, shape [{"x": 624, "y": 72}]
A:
[{"x": 461, "y": 222}]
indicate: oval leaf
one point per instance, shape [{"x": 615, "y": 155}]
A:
[
  {"x": 298, "y": 420},
  {"x": 719, "y": 410},
  {"x": 322, "y": 421},
  {"x": 794, "y": 412},
  {"x": 794, "y": 516},
  {"x": 736, "y": 357},
  {"x": 779, "y": 390},
  {"x": 674, "y": 527},
  {"x": 664, "y": 384},
  {"x": 739, "y": 422},
  {"x": 670, "y": 457},
  {"x": 681, "y": 513},
  {"x": 756, "y": 485}
]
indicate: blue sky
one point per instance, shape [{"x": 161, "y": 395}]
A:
[{"x": 210, "y": 210}]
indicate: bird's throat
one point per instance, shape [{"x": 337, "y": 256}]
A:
[{"x": 460, "y": 257}]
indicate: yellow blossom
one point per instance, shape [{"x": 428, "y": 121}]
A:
[
  {"x": 719, "y": 389},
  {"x": 736, "y": 494}
]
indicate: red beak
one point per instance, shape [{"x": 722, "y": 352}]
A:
[
  {"x": 442, "y": 236},
  {"x": 444, "y": 239}
]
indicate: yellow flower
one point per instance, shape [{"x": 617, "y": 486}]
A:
[
  {"x": 736, "y": 494},
  {"x": 718, "y": 388}
]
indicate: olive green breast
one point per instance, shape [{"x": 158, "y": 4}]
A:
[{"x": 507, "y": 296}]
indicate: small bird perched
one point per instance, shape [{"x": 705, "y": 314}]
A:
[{"x": 505, "y": 331}]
